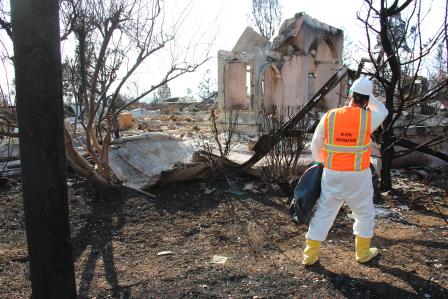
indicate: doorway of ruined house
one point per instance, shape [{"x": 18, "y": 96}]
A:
[
  {"x": 271, "y": 91},
  {"x": 237, "y": 86}
]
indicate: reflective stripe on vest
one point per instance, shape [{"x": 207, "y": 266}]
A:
[
  {"x": 331, "y": 120},
  {"x": 362, "y": 134},
  {"x": 359, "y": 150},
  {"x": 346, "y": 149}
]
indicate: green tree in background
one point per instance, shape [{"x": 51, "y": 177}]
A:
[
  {"x": 207, "y": 88},
  {"x": 163, "y": 93}
]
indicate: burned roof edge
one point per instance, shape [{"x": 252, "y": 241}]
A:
[{"x": 291, "y": 28}]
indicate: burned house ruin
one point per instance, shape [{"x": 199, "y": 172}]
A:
[{"x": 262, "y": 78}]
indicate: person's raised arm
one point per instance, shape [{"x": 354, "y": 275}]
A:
[{"x": 379, "y": 112}]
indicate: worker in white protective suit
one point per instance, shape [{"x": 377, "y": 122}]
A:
[{"x": 342, "y": 143}]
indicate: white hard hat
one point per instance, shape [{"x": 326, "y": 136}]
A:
[{"x": 363, "y": 86}]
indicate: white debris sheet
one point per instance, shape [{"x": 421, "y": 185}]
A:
[{"x": 135, "y": 160}]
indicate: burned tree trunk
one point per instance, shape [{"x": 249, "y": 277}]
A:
[
  {"x": 37, "y": 63},
  {"x": 387, "y": 155}
]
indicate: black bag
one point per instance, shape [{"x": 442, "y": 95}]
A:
[{"x": 306, "y": 193}]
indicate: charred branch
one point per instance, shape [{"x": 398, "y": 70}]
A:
[{"x": 412, "y": 146}]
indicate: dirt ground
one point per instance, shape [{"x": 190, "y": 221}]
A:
[{"x": 118, "y": 244}]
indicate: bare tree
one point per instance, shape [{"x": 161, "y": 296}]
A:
[
  {"x": 282, "y": 162},
  {"x": 114, "y": 39},
  {"x": 222, "y": 139},
  {"x": 266, "y": 15},
  {"x": 403, "y": 50}
]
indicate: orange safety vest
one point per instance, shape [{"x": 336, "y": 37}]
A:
[{"x": 347, "y": 139}]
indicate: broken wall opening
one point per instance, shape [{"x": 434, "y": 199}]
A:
[
  {"x": 272, "y": 90},
  {"x": 235, "y": 86}
]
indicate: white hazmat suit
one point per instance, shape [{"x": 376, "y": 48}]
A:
[{"x": 352, "y": 187}]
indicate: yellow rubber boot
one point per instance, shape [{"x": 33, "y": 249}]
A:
[
  {"x": 363, "y": 251},
  {"x": 311, "y": 252}
]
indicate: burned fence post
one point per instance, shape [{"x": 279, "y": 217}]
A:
[{"x": 37, "y": 63}]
